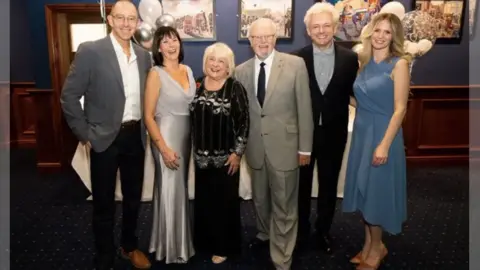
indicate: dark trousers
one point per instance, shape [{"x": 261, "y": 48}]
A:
[
  {"x": 217, "y": 222},
  {"x": 328, "y": 147},
  {"x": 127, "y": 154}
]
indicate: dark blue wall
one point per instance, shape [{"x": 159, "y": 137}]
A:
[
  {"x": 21, "y": 48},
  {"x": 444, "y": 65}
]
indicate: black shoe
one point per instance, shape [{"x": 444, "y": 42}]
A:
[
  {"x": 258, "y": 244},
  {"x": 324, "y": 243}
]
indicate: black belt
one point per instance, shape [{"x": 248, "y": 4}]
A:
[{"x": 130, "y": 124}]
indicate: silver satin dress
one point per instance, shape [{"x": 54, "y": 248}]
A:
[{"x": 171, "y": 237}]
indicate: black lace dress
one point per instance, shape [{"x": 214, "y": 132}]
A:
[{"x": 220, "y": 126}]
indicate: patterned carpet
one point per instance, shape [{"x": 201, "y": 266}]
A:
[{"x": 50, "y": 225}]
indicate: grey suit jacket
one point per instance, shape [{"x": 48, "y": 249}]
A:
[
  {"x": 95, "y": 74},
  {"x": 284, "y": 126}
]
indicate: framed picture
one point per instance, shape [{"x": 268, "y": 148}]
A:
[
  {"x": 280, "y": 11},
  {"x": 195, "y": 19},
  {"x": 449, "y": 16},
  {"x": 472, "y": 13},
  {"x": 354, "y": 15}
]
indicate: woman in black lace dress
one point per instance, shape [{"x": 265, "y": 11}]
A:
[{"x": 220, "y": 125}]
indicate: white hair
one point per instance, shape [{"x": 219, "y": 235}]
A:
[
  {"x": 260, "y": 21},
  {"x": 322, "y": 7},
  {"x": 220, "y": 50}
]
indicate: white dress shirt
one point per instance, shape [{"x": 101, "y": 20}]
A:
[
  {"x": 131, "y": 81},
  {"x": 268, "y": 67}
]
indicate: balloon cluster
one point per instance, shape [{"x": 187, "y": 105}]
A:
[
  {"x": 420, "y": 32},
  {"x": 419, "y": 29},
  {"x": 151, "y": 13}
]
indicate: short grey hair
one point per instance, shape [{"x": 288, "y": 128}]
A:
[
  {"x": 322, "y": 7},
  {"x": 220, "y": 50},
  {"x": 262, "y": 20}
]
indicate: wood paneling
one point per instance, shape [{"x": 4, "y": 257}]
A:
[
  {"x": 55, "y": 141},
  {"x": 440, "y": 116},
  {"x": 436, "y": 128},
  {"x": 22, "y": 115},
  {"x": 48, "y": 133}
]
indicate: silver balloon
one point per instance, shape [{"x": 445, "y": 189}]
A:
[
  {"x": 143, "y": 34},
  {"x": 150, "y": 10},
  {"x": 165, "y": 20}
]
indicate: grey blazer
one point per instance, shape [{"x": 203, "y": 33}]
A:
[
  {"x": 95, "y": 74},
  {"x": 284, "y": 126}
]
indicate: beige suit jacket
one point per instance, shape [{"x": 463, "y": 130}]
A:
[{"x": 284, "y": 126}]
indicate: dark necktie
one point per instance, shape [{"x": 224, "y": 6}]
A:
[{"x": 261, "y": 85}]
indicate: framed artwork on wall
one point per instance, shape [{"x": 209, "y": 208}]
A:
[
  {"x": 472, "y": 13},
  {"x": 449, "y": 16},
  {"x": 195, "y": 19},
  {"x": 280, "y": 11},
  {"x": 354, "y": 15}
]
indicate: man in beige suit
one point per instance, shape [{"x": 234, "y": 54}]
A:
[{"x": 280, "y": 139}]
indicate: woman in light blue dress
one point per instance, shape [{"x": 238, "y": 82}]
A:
[
  {"x": 169, "y": 91},
  {"x": 376, "y": 171}
]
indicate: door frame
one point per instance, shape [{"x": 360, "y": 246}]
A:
[
  {"x": 60, "y": 143},
  {"x": 56, "y": 18}
]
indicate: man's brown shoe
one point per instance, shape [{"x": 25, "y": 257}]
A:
[{"x": 137, "y": 258}]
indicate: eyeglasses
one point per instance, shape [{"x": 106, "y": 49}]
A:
[
  {"x": 121, "y": 19},
  {"x": 260, "y": 38}
]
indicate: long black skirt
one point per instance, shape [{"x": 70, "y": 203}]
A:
[{"x": 217, "y": 222}]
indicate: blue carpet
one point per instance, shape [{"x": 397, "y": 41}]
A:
[{"x": 50, "y": 225}]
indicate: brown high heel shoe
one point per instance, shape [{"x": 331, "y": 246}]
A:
[
  {"x": 358, "y": 258},
  {"x": 218, "y": 260},
  {"x": 365, "y": 266}
]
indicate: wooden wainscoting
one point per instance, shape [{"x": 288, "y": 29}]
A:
[
  {"x": 436, "y": 128},
  {"x": 48, "y": 130},
  {"x": 22, "y": 115}
]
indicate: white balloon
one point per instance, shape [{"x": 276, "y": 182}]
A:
[
  {"x": 424, "y": 46},
  {"x": 357, "y": 48},
  {"x": 150, "y": 10},
  {"x": 394, "y": 7},
  {"x": 411, "y": 48}
]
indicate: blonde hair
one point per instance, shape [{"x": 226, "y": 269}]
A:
[
  {"x": 396, "y": 46},
  {"x": 220, "y": 50},
  {"x": 322, "y": 7}
]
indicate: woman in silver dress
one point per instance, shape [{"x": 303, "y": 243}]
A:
[{"x": 169, "y": 90}]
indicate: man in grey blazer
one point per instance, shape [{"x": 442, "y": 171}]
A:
[
  {"x": 280, "y": 139},
  {"x": 110, "y": 74}
]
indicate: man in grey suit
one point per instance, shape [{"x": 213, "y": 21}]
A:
[
  {"x": 280, "y": 139},
  {"x": 110, "y": 74}
]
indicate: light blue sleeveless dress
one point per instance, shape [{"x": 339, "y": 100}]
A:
[
  {"x": 171, "y": 237},
  {"x": 378, "y": 192}
]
